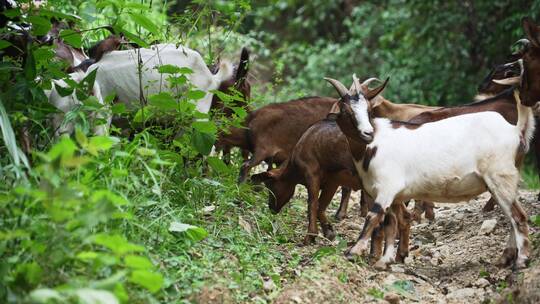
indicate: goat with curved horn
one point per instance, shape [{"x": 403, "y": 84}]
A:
[{"x": 340, "y": 88}]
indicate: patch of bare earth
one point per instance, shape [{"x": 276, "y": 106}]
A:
[{"x": 451, "y": 261}]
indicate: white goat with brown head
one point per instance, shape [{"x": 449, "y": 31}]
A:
[{"x": 449, "y": 160}]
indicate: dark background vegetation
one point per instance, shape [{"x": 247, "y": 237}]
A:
[{"x": 147, "y": 219}]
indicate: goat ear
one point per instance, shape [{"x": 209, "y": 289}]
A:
[
  {"x": 243, "y": 65},
  {"x": 372, "y": 93},
  {"x": 340, "y": 88},
  {"x": 531, "y": 30},
  {"x": 375, "y": 102},
  {"x": 334, "y": 111},
  {"x": 266, "y": 176}
]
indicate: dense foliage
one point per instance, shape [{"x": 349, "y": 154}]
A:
[{"x": 102, "y": 219}]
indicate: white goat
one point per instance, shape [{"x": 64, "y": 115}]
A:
[
  {"x": 117, "y": 72},
  {"x": 450, "y": 160}
]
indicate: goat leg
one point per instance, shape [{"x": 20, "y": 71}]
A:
[{"x": 341, "y": 213}]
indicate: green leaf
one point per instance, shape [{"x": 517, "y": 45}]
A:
[
  {"x": 195, "y": 94},
  {"x": 324, "y": 251},
  {"x": 118, "y": 108},
  {"x": 65, "y": 149},
  {"x": 138, "y": 262},
  {"x": 4, "y": 44},
  {"x": 145, "y": 22},
  {"x": 71, "y": 37},
  {"x": 40, "y": 25},
  {"x": 134, "y": 38},
  {"x": 194, "y": 233},
  {"x": 202, "y": 142},
  {"x": 87, "y": 255},
  {"x": 218, "y": 165},
  {"x": 535, "y": 220},
  {"x": 116, "y": 243},
  {"x": 205, "y": 126},
  {"x": 168, "y": 69},
  {"x": 31, "y": 272},
  {"x": 150, "y": 280},
  {"x": 163, "y": 101},
  {"x": 100, "y": 143}
]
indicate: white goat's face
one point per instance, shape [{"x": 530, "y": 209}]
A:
[{"x": 360, "y": 107}]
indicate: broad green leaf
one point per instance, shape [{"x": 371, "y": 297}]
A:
[
  {"x": 138, "y": 262},
  {"x": 110, "y": 196},
  {"x": 168, "y": 69},
  {"x": 65, "y": 148},
  {"x": 117, "y": 244},
  {"x": 152, "y": 281},
  {"x": 194, "y": 233},
  {"x": 163, "y": 101},
  {"x": 4, "y": 44},
  {"x": 71, "y": 37},
  {"x": 95, "y": 296},
  {"x": 40, "y": 25},
  {"x": 202, "y": 142},
  {"x": 118, "y": 108},
  {"x": 100, "y": 143},
  {"x": 145, "y": 23},
  {"x": 218, "y": 165},
  {"x": 87, "y": 255},
  {"x": 195, "y": 94},
  {"x": 203, "y": 126}
]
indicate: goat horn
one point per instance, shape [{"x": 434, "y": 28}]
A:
[
  {"x": 367, "y": 82},
  {"x": 356, "y": 84},
  {"x": 370, "y": 94},
  {"x": 523, "y": 41},
  {"x": 340, "y": 88},
  {"x": 508, "y": 81}
]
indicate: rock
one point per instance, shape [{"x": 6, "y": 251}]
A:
[
  {"x": 481, "y": 283},
  {"x": 463, "y": 294},
  {"x": 269, "y": 285},
  {"x": 408, "y": 260},
  {"x": 397, "y": 268},
  {"x": 392, "y": 298},
  {"x": 487, "y": 227},
  {"x": 389, "y": 280}
]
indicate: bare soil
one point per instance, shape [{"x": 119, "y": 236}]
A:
[{"x": 449, "y": 262}]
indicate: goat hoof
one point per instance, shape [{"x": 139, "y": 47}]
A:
[
  {"x": 509, "y": 256},
  {"x": 309, "y": 240},
  {"x": 400, "y": 258},
  {"x": 340, "y": 217},
  {"x": 380, "y": 265},
  {"x": 330, "y": 234}
]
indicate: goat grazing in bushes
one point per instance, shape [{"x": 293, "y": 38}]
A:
[{"x": 449, "y": 160}]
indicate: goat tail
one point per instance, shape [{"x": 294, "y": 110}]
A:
[
  {"x": 525, "y": 122},
  {"x": 225, "y": 72}
]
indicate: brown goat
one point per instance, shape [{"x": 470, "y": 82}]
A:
[{"x": 321, "y": 161}]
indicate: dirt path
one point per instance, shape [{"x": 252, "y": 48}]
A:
[{"x": 450, "y": 261}]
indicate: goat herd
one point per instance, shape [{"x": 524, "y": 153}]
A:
[{"x": 393, "y": 152}]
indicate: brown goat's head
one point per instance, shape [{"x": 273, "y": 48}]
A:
[
  {"x": 490, "y": 85},
  {"x": 354, "y": 110},
  {"x": 238, "y": 82},
  {"x": 530, "y": 82},
  {"x": 281, "y": 189}
]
